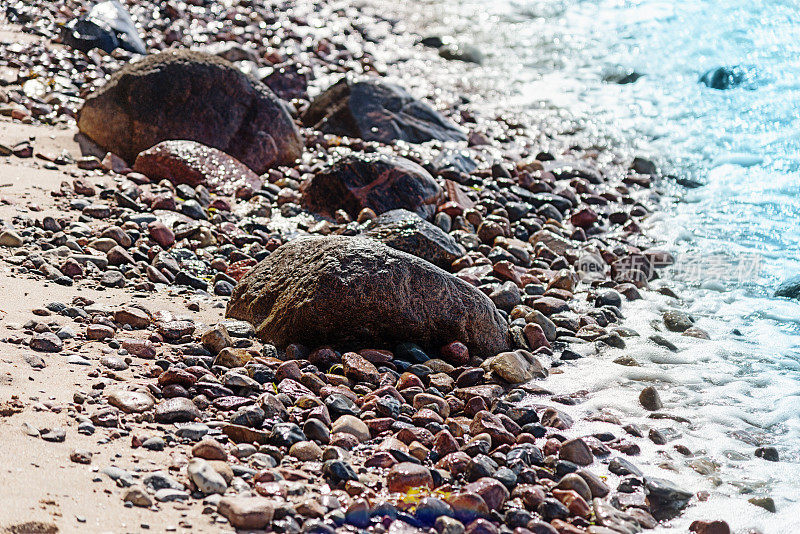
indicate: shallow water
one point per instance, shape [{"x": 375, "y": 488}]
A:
[{"x": 744, "y": 144}]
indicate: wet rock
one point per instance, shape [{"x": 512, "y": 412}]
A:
[
  {"x": 377, "y": 111},
  {"x": 789, "y": 289},
  {"x": 338, "y": 472},
  {"x": 493, "y": 493},
  {"x": 650, "y": 399},
  {"x": 677, "y": 321},
  {"x": 767, "y": 503},
  {"x": 768, "y": 453},
  {"x": 461, "y": 52},
  {"x": 193, "y": 163},
  {"x": 358, "y": 369},
  {"x": 191, "y": 96},
  {"x": 710, "y": 527},
  {"x": 666, "y": 499},
  {"x": 407, "y": 231},
  {"x": 516, "y": 367},
  {"x": 722, "y": 78},
  {"x": 376, "y": 181},
  {"x": 371, "y": 294},
  {"x": 406, "y": 476},
  {"x": 286, "y": 435},
  {"x": 576, "y": 451}
]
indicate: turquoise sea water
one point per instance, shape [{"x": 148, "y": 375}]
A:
[{"x": 742, "y": 226}]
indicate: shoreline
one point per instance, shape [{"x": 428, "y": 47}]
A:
[{"x": 610, "y": 163}]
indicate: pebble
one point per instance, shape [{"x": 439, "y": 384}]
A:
[
  {"x": 405, "y": 476},
  {"x": 650, "y": 399},
  {"x": 46, "y": 342},
  {"x": 138, "y": 497},
  {"x": 205, "y": 478},
  {"x": 349, "y": 424}
]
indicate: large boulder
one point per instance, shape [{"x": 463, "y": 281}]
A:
[
  {"x": 195, "y": 96},
  {"x": 377, "y": 181},
  {"x": 407, "y": 231},
  {"x": 353, "y": 292},
  {"x": 378, "y": 111},
  {"x": 193, "y": 163}
]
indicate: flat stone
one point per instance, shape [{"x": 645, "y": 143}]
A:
[
  {"x": 176, "y": 410},
  {"x": 130, "y": 401},
  {"x": 247, "y": 512}
]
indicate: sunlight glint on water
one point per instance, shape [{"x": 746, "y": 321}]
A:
[{"x": 745, "y": 145}]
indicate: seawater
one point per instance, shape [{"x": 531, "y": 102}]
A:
[{"x": 740, "y": 230}]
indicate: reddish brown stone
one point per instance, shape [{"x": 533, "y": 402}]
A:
[
  {"x": 339, "y": 290},
  {"x": 358, "y": 369},
  {"x": 455, "y": 353},
  {"x": 491, "y": 490},
  {"x": 181, "y": 94},
  {"x": 192, "y": 163},
  {"x": 455, "y": 462},
  {"x": 487, "y": 422},
  {"x": 405, "y": 476}
]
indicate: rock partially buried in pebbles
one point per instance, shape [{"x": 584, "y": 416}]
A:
[
  {"x": 346, "y": 291},
  {"x": 194, "y": 96},
  {"x": 405, "y": 476},
  {"x": 247, "y": 512},
  {"x": 130, "y": 401},
  {"x": 193, "y": 163},
  {"x": 378, "y": 111},
  {"x": 516, "y": 367},
  {"x": 407, "y": 231},
  {"x": 176, "y": 410},
  {"x": 666, "y": 499},
  {"x": 376, "y": 181}
]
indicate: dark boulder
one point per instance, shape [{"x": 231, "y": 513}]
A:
[
  {"x": 789, "y": 289},
  {"x": 354, "y": 292},
  {"x": 378, "y": 111},
  {"x": 375, "y": 181},
  {"x": 193, "y": 163},
  {"x": 406, "y": 231},
  {"x": 722, "y": 78},
  {"x": 195, "y": 96}
]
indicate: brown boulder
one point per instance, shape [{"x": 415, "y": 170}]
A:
[
  {"x": 353, "y": 291},
  {"x": 181, "y": 94},
  {"x": 376, "y": 181},
  {"x": 193, "y": 163},
  {"x": 378, "y": 111}
]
